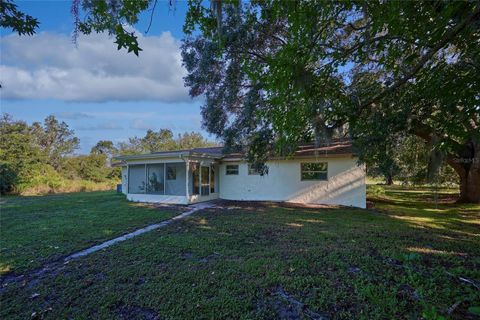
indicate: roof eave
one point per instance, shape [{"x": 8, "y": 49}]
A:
[
  {"x": 338, "y": 155},
  {"x": 168, "y": 155},
  {"x": 151, "y": 156}
]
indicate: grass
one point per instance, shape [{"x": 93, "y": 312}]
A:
[
  {"x": 38, "y": 229},
  {"x": 401, "y": 260}
]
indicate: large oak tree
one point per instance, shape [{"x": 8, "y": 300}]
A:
[{"x": 276, "y": 73}]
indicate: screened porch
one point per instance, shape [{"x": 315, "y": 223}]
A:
[{"x": 172, "y": 182}]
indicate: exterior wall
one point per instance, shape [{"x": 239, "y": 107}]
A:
[
  {"x": 124, "y": 180},
  {"x": 157, "y": 198},
  {"x": 345, "y": 185},
  {"x": 199, "y": 198}
]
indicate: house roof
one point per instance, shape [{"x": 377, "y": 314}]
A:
[{"x": 334, "y": 148}]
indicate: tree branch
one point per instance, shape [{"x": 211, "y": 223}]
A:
[
  {"x": 413, "y": 71},
  {"x": 151, "y": 16}
]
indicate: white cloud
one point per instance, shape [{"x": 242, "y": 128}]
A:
[
  {"x": 101, "y": 126},
  {"x": 74, "y": 115},
  {"x": 140, "y": 124},
  {"x": 49, "y": 66}
]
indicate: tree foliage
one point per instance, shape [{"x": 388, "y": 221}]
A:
[
  {"x": 55, "y": 140},
  {"x": 163, "y": 140},
  {"x": 18, "y": 21},
  {"x": 18, "y": 152}
]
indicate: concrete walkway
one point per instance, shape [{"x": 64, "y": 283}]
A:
[{"x": 106, "y": 244}]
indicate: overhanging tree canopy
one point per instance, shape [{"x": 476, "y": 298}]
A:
[{"x": 275, "y": 73}]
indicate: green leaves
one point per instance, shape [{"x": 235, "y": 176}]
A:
[
  {"x": 114, "y": 17},
  {"x": 12, "y": 18},
  {"x": 126, "y": 40}
]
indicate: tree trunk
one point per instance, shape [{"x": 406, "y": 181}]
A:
[
  {"x": 468, "y": 168},
  {"x": 466, "y": 163},
  {"x": 389, "y": 180},
  {"x": 470, "y": 184}
]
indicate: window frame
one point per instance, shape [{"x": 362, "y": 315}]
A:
[
  {"x": 227, "y": 173},
  {"x": 302, "y": 171}
]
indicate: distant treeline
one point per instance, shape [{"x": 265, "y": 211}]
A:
[{"x": 39, "y": 158}]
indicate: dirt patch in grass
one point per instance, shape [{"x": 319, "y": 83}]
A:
[{"x": 262, "y": 206}]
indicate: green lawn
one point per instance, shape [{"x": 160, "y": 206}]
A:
[
  {"x": 39, "y": 229},
  {"x": 401, "y": 260}
]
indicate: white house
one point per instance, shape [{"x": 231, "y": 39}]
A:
[{"x": 327, "y": 174}]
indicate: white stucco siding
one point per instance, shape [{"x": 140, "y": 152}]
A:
[{"x": 345, "y": 185}]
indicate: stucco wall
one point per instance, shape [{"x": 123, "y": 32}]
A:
[{"x": 345, "y": 185}]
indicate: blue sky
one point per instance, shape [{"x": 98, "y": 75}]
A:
[{"x": 101, "y": 93}]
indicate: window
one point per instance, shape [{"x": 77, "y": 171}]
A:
[
  {"x": 252, "y": 170},
  {"x": 314, "y": 171},
  {"x": 155, "y": 182},
  {"x": 136, "y": 178},
  {"x": 171, "y": 172},
  {"x": 231, "y": 169},
  {"x": 205, "y": 181},
  {"x": 212, "y": 179}
]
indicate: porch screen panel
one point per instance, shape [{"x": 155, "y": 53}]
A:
[
  {"x": 175, "y": 182},
  {"x": 205, "y": 181},
  {"x": 195, "y": 180},
  {"x": 156, "y": 178},
  {"x": 136, "y": 179}
]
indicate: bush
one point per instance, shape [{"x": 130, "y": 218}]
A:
[
  {"x": 8, "y": 177},
  {"x": 40, "y": 175},
  {"x": 70, "y": 186}
]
